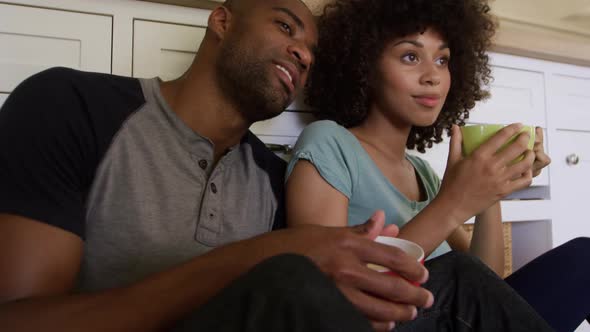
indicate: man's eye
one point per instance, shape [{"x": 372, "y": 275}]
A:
[{"x": 285, "y": 27}]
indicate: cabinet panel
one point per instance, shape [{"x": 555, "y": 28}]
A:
[
  {"x": 34, "y": 39},
  {"x": 163, "y": 49},
  {"x": 3, "y": 97},
  {"x": 517, "y": 95},
  {"x": 572, "y": 102},
  {"x": 571, "y": 185}
]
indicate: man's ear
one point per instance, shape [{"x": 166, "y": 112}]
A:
[{"x": 220, "y": 21}]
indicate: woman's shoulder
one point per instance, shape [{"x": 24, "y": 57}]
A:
[
  {"x": 324, "y": 132},
  {"x": 325, "y": 127}
]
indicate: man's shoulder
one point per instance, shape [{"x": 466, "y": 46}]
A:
[
  {"x": 263, "y": 156},
  {"x": 64, "y": 75},
  {"x": 64, "y": 93},
  {"x": 58, "y": 82}
]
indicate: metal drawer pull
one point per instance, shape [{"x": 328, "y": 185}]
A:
[
  {"x": 572, "y": 159},
  {"x": 282, "y": 148}
]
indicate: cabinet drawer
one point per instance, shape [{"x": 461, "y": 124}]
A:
[
  {"x": 571, "y": 104},
  {"x": 517, "y": 95},
  {"x": 34, "y": 39},
  {"x": 165, "y": 50},
  {"x": 524, "y": 210},
  {"x": 289, "y": 124}
]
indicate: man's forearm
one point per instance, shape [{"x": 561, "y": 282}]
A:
[{"x": 149, "y": 305}]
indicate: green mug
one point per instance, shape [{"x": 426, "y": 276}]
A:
[{"x": 476, "y": 135}]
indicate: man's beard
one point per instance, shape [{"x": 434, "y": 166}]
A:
[{"x": 246, "y": 82}]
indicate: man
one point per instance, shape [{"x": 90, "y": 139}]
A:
[{"x": 140, "y": 205}]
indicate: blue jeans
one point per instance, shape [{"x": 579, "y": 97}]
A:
[{"x": 557, "y": 284}]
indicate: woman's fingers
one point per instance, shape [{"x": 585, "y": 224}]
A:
[
  {"x": 491, "y": 146},
  {"x": 514, "y": 150}
]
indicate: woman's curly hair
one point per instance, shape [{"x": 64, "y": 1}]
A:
[{"x": 354, "y": 33}]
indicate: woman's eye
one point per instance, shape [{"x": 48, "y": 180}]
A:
[
  {"x": 410, "y": 57},
  {"x": 443, "y": 61}
]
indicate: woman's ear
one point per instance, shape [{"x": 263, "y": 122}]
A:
[{"x": 220, "y": 21}]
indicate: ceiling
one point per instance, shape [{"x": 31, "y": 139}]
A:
[{"x": 568, "y": 15}]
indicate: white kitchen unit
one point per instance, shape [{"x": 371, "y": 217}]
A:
[
  {"x": 34, "y": 39},
  {"x": 570, "y": 116},
  {"x": 163, "y": 49}
]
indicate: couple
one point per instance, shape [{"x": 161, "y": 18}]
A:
[{"x": 141, "y": 205}]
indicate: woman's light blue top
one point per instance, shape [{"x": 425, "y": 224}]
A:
[{"x": 343, "y": 163}]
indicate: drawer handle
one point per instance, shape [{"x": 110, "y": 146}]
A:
[
  {"x": 281, "y": 148},
  {"x": 572, "y": 159}
]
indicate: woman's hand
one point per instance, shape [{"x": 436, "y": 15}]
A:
[
  {"x": 542, "y": 160},
  {"x": 474, "y": 183}
]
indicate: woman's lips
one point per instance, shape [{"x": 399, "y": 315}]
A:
[{"x": 429, "y": 101}]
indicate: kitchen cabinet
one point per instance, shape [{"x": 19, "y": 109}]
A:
[
  {"x": 570, "y": 112},
  {"x": 34, "y": 39},
  {"x": 3, "y": 97},
  {"x": 163, "y": 49}
]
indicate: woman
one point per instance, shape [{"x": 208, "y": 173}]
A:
[{"x": 395, "y": 75}]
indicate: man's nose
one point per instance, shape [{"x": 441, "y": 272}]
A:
[{"x": 302, "y": 54}]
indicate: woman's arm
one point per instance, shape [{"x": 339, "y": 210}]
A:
[
  {"x": 487, "y": 241},
  {"x": 471, "y": 185},
  {"x": 311, "y": 200}
]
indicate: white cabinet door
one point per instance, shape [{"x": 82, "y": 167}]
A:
[
  {"x": 571, "y": 186},
  {"x": 517, "y": 95},
  {"x": 34, "y": 39},
  {"x": 3, "y": 97},
  {"x": 572, "y": 101},
  {"x": 163, "y": 49}
]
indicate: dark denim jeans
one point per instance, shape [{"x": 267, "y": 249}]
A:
[
  {"x": 557, "y": 284},
  {"x": 283, "y": 293},
  {"x": 289, "y": 293},
  {"x": 470, "y": 297}
]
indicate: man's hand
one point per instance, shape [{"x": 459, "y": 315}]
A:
[{"x": 343, "y": 254}]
